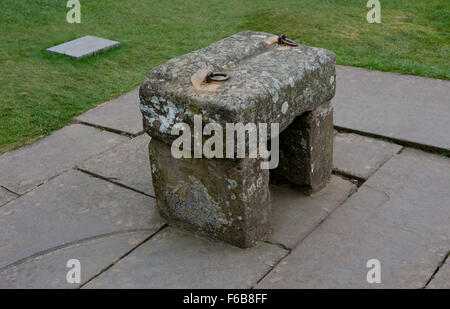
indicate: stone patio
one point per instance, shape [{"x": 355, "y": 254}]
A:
[{"x": 85, "y": 193}]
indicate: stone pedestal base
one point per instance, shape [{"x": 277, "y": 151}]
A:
[
  {"x": 306, "y": 150},
  {"x": 224, "y": 199}
]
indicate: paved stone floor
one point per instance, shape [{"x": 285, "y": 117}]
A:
[{"x": 85, "y": 193}]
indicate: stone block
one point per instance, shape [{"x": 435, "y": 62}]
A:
[
  {"x": 224, "y": 199},
  {"x": 306, "y": 150},
  {"x": 268, "y": 83}
]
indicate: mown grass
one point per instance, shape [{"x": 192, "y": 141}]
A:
[{"x": 40, "y": 92}]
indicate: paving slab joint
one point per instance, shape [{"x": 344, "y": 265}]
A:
[
  {"x": 111, "y": 180},
  {"x": 123, "y": 256},
  {"x": 358, "y": 181},
  {"x": 425, "y": 148},
  {"x": 115, "y": 131},
  {"x": 275, "y": 264},
  {"x": 68, "y": 245},
  {"x": 441, "y": 264}
]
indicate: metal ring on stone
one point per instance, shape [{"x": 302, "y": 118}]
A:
[
  {"x": 283, "y": 40},
  {"x": 212, "y": 77}
]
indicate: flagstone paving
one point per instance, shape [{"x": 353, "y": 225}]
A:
[
  {"x": 400, "y": 217},
  {"x": 360, "y": 156},
  {"x": 70, "y": 208},
  {"x": 295, "y": 215},
  {"x": 49, "y": 270},
  {"x": 121, "y": 114},
  {"x": 6, "y": 196},
  {"x": 176, "y": 259},
  {"x": 27, "y": 167},
  {"x": 85, "y": 193},
  {"x": 403, "y": 107},
  {"x": 127, "y": 164}
]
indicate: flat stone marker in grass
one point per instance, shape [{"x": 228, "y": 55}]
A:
[{"x": 83, "y": 47}]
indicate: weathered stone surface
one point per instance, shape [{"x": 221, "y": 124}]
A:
[
  {"x": 224, "y": 199},
  {"x": 121, "y": 114},
  {"x": 27, "y": 167},
  {"x": 49, "y": 270},
  {"x": 6, "y": 196},
  {"x": 175, "y": 259},
  {"x": 268, "y": 83},
  {"x": 306, "y": 150},
  {"x": 442, "y": 279},
  {"x": 83, "y": 47},
  {"x": 400, "y": 216},
  {"x": 360, "y": 156},
  {"x": 70, "y": 208},
  {"x": 295, "y": 215},
  {"x": 408, "y": 108},
  {"x": 127, "y": 164}
]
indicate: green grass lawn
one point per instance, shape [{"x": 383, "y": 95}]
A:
[{"x": 40, "y": 92}]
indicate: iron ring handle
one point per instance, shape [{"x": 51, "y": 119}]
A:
[
  {"x": 211, "y": 77},
  {"x": 283, "y": 40}
]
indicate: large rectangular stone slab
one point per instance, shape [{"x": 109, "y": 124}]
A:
[
  {"x": 120, "y": 114},
  {"x": 29, "y": 166},
  {"x": 268, "y": 83},
  {"x": 407, "y": 108},
  {"x": 360, "y": 156},
  {"x": 295, "y": 215},
  {"x": 175, "y": 259},
  {"x": 400, "y": 217},
  {"x": 83, "y": 47},
  {"x": 70, "y": 208},
  {"x": 49, "y": 271},
  {"x": 6, "y": 196},
  {"x": 127, "y": 164}
]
